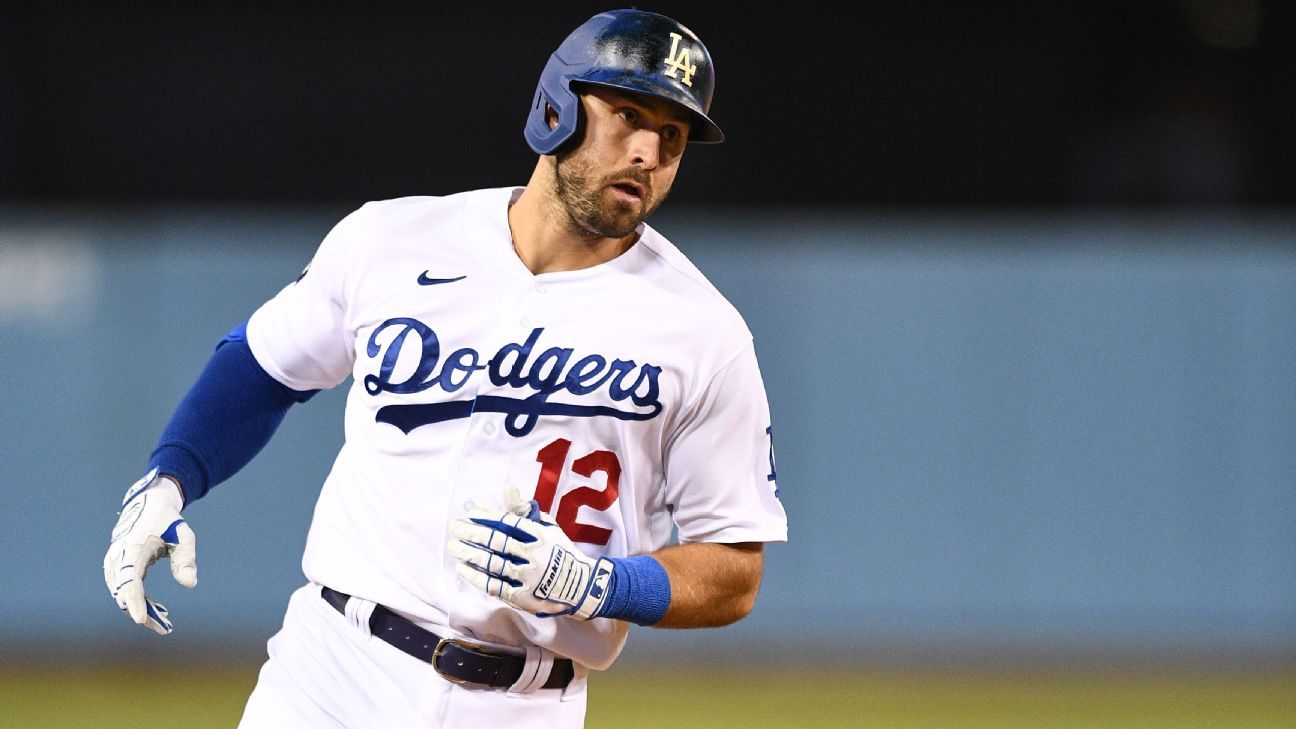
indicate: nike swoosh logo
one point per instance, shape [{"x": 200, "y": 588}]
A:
[{"x": 425, "y": 281}]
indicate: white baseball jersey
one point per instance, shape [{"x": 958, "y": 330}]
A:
[{"x": 625, "y": 397}]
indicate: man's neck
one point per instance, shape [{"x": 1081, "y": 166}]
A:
[{"x": 545, "y": 242}]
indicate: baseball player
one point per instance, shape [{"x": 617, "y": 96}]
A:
[{"x": 556, "y": 426}]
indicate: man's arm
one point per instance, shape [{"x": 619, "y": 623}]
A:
[
  {"x": 533, "y": 565},
  {"x": 711, "y": 584},
  {"x": 227, "y": 417},
  {"x": 530, "y": 563}
]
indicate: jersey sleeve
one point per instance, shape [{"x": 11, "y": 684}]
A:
[
  {"x": 300, "y": 336},
  {"x": 720, "y": 479}
]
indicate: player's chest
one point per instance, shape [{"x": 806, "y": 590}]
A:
[{"x": 528, "y": 350}]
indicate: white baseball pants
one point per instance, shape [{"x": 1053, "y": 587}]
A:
[{"x": 326, "y": 672}]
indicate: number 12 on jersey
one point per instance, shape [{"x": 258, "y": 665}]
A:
[{"x": 552, "y": 459}]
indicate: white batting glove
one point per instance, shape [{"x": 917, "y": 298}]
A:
[
  {"x": 149, "y": 527},
  {"x": 528, "y": 563}
]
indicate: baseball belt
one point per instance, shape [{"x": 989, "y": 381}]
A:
[{"x": 458, "y": 660}]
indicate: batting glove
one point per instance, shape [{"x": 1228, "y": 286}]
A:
[
  {"x": 529, "y": 563},
  {"x": 149, "y": 527}
]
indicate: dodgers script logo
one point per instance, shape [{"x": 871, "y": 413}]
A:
[{"x": 549, "y": 373}]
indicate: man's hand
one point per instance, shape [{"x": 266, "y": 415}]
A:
[
  {"x": 150, "y": 527},
  {"x": 528, "y": 563}
]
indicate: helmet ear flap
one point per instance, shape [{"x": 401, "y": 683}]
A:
[
  {"x": 573, "y": 138},
  {"x": 553, "y": 92}
]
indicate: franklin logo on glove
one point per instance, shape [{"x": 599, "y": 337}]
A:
[{"x": 551, "y": 574}]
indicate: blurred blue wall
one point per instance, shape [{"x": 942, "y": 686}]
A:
[{"x": 991, "y": 431}]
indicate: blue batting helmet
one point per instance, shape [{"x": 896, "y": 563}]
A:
[{"x": 633, "y": 50}]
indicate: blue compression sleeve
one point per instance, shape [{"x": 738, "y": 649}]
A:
[
  {"x": 227, "y": 417},
  {"x": 639, "y": 591}
]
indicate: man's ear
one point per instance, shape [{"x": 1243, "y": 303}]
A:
[{"x": 551, "y": 116}]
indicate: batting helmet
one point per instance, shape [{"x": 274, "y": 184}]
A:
[{"x": 633, "y": 50}]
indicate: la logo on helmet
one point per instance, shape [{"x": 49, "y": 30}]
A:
[{"x": 678, "y": 60}]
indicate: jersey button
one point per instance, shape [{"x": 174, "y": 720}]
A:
[
  {"x": 525, "y": 322},
  {"x": 489, "y": 428},
  {"x": 541, "y": 288}
]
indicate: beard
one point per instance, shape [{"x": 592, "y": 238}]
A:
[{"x": 584, "y": 201}]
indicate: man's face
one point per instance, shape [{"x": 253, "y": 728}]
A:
[{"x": 625, "y": 163}]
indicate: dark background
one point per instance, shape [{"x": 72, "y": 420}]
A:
[{"x": 988, "y": 105}]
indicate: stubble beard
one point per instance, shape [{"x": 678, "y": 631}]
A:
[{"x": 583, "y": 202}]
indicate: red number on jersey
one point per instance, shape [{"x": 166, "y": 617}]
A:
[{"x": 552, "y": 458}]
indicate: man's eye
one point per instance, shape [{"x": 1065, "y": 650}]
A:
[
  {"x": 630, "y": 115},
  {"x": 670, "y": 134}
]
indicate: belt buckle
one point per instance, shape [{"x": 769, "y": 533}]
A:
[{"x": 440, "y": 651}]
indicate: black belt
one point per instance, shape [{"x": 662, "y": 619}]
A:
[{"x": 458, "y": 660}]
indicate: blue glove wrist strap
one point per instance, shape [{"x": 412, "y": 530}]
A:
[{"x": 638, "y": 592}]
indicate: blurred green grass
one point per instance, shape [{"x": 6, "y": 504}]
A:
[{"x": 111, "y": 697}]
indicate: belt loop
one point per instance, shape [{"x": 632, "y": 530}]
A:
[
  {"x": 576, "y": 687},
  {"x": 358, "y": 612},
  {"x": 535, "y": 672}
]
